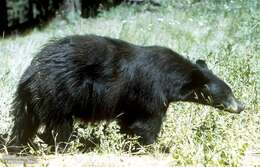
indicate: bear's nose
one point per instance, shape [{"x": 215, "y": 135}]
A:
[{"x": 240, "y": 107}]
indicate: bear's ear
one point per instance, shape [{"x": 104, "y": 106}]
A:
[{"x": 202, "y": 64}]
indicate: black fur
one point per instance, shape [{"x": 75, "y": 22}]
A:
[{"x": 99, "y": 78}]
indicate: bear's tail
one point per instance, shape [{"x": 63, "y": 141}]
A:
[{"x": 18, "y": 106}]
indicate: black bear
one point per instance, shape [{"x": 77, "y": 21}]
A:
[{"x": 98, "y": 78}]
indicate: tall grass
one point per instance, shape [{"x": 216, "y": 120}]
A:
[{"x": 224, "y": 33}]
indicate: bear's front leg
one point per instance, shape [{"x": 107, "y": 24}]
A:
[{"x": 147, "y": 128}]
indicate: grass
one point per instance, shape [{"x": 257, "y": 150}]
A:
[{"x": 224, "y": 33}]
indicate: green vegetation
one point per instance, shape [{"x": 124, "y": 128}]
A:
[{"x": 224, "y": 33}]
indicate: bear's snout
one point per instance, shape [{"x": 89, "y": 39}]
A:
[
  {"x": 241, "y": 107},
  {"x": 234, "y": 106}
]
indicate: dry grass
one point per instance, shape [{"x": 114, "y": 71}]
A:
[{"x": 87, "y": 160}]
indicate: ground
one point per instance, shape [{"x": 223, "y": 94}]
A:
[
  {"x": 226, "y": 35},
  {"x": 101, "y": 160}
]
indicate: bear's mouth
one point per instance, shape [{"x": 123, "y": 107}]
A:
[
  {"x": 232, "y": 106},
  {"x": 235, "y": 109}
]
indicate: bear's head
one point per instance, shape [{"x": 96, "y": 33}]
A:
[{"x": 206, "y": 88}]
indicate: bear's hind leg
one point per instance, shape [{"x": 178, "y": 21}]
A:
[
  {"x": 58, "y": 134},
  {"x": 24, "y": 130}
]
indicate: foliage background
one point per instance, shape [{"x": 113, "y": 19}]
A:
[{"x": 224, "y": 33}]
